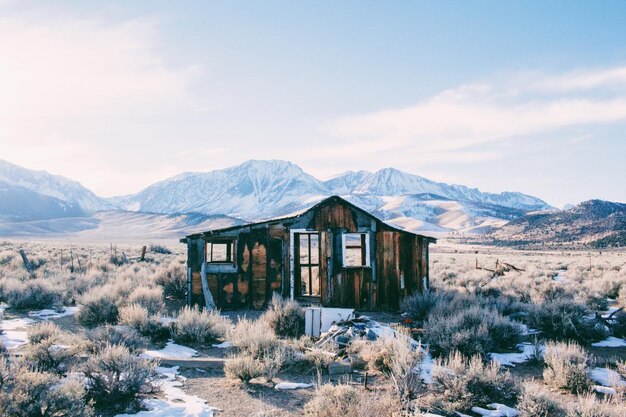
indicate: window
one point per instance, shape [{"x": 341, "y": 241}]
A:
[
  {"x": 309, "y": 264},
  {"x": 356, "y": 249},
  {"x": 220, "y": 251}
]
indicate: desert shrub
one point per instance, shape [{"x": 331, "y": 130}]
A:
[
  {"x": 535, "y": 401},
  {"x": 334, "y": 401},
  {"x": 49, "y": 355},
  {"x": 45, "y": 330},
  {"x": 243, "y": 367},
  {"x": 595, "y": 301},
  {"x": 589, "y": 406},
  {"x": 345, "y": 400},
  {"x": 116, "y": 377},
  {"x": 566, "y": 320},
  {"x": 618, "y": 325},
  {"x": 475, "y": 330},
  {"x": 419, "y": 305},
  {"x": 253, "y": 337},
  {"x": 138, "y": 317},
  {"x": 32, "y": 294},
  {"x": 173, "y": 279},
  {"x": 286, "y": 318},
  {"x": 28, "y": 393},
  {"x": 97, "y": 307},
  {"x": 463, "y": 383},
  {"x": 149, "y": 298},
  {"x": 273, "y": 361},
  {"x": 103, "y": 336},
  {"x": 199, "y": 327},
  {"x": 566, "y": 367},
  {"x": 154, "y": 248}
]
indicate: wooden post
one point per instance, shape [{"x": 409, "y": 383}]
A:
[
  {"x": 365, "y": 381},
  {"x": 27, "y": 264},
  {"x": 72, "y": 259},
  {"x": 143, "y": 253}
]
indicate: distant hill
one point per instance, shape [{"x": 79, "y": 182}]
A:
[
  {"x": 21, "y": 204},
  {"x": 593, "y": 223},
  {"x": 112, "y": 226},
  {"x": 56, "y": 186}
]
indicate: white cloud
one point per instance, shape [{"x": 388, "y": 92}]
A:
[
  {"x": 78, "y": 95},
  {"x": 459, "y": 119}
]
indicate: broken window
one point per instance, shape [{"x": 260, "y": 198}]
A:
[
  {"x": 220, "y": 251},
  {"x": 356, "y": 249}
]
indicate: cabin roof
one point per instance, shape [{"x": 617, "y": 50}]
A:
[{"x": 300, "y": 213}]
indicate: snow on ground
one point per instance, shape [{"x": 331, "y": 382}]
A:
[
  {"x": 497, "y": 410},
  {"x": 560, "y": 276},
  {"x": 223, "y": 345},
  {"x": 176, "y": 402},
  {"x": 172, "y": 351},
  {"x": 527, "y": 331},
  {"x": 291, "y": 385},
  {"x": 510, "y": 359},
  {"x": 426, "y": 368},
  {"x": 47, "y": 314},
  {"x": 611, "y": 342},
  {"x": 14, "y": 332},
  {"x": 607, "y": 379}
]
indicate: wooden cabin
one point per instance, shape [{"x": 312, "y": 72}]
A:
[{"x": 334, "y": 254}]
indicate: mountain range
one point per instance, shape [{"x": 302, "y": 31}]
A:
[
  {"x": 258, "y": 190},
  {"x": 594, "y": 223}
]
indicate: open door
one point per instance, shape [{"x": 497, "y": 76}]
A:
[{"x": 307, "y": 265}]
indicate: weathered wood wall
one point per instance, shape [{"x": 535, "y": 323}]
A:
[{"x": 398, "y": 262}]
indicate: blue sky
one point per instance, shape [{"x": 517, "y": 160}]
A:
[{"x": 524, "y": 96}]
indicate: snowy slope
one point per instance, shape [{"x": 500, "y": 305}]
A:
[
  {"x": 258, "y": 190},
  {"x": 252, "y": 190},
  {"x": 50, "y": 185},
  {"x": 115, "y": 225},
  {"x": 21, "y": 204},
  {"x": 393, "y": 182}
]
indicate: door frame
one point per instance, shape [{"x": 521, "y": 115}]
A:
[{"x": 292, "y": 259}]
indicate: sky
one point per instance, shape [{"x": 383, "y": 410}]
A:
[{"x": 525, "y": 96}]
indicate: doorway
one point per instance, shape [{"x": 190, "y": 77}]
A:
[{"x": 307, "y": 264}]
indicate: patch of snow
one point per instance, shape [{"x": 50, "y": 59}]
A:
[
  {"x": 610, "y": 311},
  {"x": 223, "y": 345},
  {"x": 176, "y": 402},
  {"x": 607, "y": 377},
  {"x": 11, "y": 336},
  {"x": 604, "y": 390},
  {"x": 497, "y": 410},
  {"x": 291, "y": 385},
  {"x": 560, "y": 277},
  {"x": 426, "y": 368},
  {"x": 611, "y": 342},
  {"x": 47, "y": 314},
  {"x": 510, "y": 359},
  {"x": 526, "y": 331},
  {"x": 172, "y": 351}
]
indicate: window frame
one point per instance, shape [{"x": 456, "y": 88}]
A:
[
  {"x": 309, "y": 265},
  {"x": 365, "y": 251},
  {"x": 231, "y": 249}
]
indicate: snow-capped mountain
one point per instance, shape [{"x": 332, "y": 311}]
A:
[
  {"x": 252, "y": 190},
  {"x": 263, "y": 189},
  {"x": 61, "y": 188},
  {"x": 393, "y": 182},
  {"x": 21, "y": 204},
  {"x": 258, "y": 190}
]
